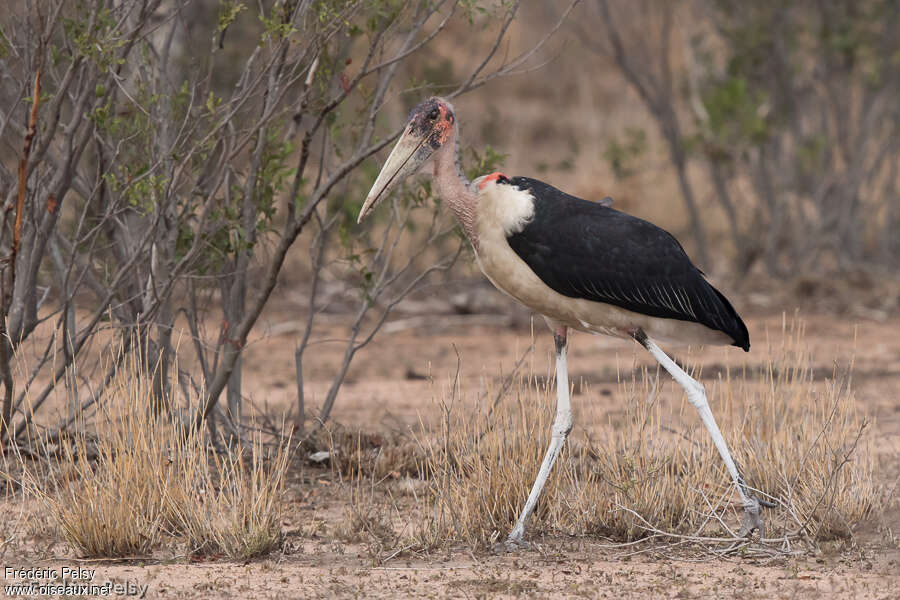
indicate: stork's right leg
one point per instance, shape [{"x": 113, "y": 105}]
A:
[
  {"x": 697, "y": 397},
  {"x": 562, "y": 425}
]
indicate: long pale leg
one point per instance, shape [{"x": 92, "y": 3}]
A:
[
  {"x": 697, "y": 397},
  {"x": 562, "y": 425}
]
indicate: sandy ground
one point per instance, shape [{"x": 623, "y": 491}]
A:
[
  {"x": 388, "y": 389},
  {"x": 565, "y": 569}
]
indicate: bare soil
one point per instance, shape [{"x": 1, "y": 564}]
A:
[{"x": 391, "y": 388}]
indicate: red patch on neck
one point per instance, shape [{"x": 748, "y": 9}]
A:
[{"x": 492, "y": 177}]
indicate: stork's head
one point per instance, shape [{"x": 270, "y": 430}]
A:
[{"x": 431, "y": 125}]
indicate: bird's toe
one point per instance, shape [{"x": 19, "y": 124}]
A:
[
  {"x": 752, "y": 519},
  {"x": 514, "y": 541}
]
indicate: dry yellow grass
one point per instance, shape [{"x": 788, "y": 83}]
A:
[
  {"x": 800, "y": 442},
  {"x": 365, "y": 519},
  {"x": 137, "y": 481},
  {"x": 232, "y": 503}
]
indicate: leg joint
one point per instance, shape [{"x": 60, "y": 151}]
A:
[
  {"x": 696, "y": 393},
  {"x": 640, "y": 337},
  {"x": 560, "y": 341},
  {"x": 563, "y": 423}
]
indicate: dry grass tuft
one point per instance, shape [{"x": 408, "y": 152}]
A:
[
  {"x": 136, "y": 481},
  {"x": 804, "y": 442},
  {"x": 231, "y": 503},
  {"x": 104, "y": 493},
  {"x": 352, "y": 452},
  {"x": 365, "y": 519},
  {"x": 479, "y": 464},
  {"x": 800, "y": 442}
]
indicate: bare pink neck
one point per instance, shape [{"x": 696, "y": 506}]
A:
[{"x": 454, "y": 189}]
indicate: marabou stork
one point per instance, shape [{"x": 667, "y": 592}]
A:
[{"x": 582, "y": 265}]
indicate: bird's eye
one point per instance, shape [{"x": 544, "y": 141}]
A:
[{"x": 434, "y": 114}]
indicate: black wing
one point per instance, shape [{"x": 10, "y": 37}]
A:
[{"x": 585, "y": 249}]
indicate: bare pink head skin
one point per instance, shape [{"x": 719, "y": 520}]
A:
[{"x": 431, "y": 134}]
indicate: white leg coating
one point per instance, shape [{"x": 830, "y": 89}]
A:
[
  {"x": 562, "y": 425},
  {"x": 697, "y": 397}
]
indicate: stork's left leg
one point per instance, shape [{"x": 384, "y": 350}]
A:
[
  {"x": 562, "y": 425},
  {"x": 697, "y": 397}
]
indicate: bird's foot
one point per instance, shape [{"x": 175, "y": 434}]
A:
[
  {"x": 753, "y": 517},
  {"x": 514, "y": 541}
]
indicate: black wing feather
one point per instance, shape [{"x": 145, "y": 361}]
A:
[{"x": 585, "y": 249}]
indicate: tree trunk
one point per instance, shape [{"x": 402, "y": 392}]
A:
[
  {"x": 690, "y": 201},
  {"x": 6, "y": 380},
  {"x": 301, "y": 399},
  {"x": 234, "y": 293}
]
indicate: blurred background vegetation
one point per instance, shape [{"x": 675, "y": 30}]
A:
[{"x": 186, "y": 163}]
